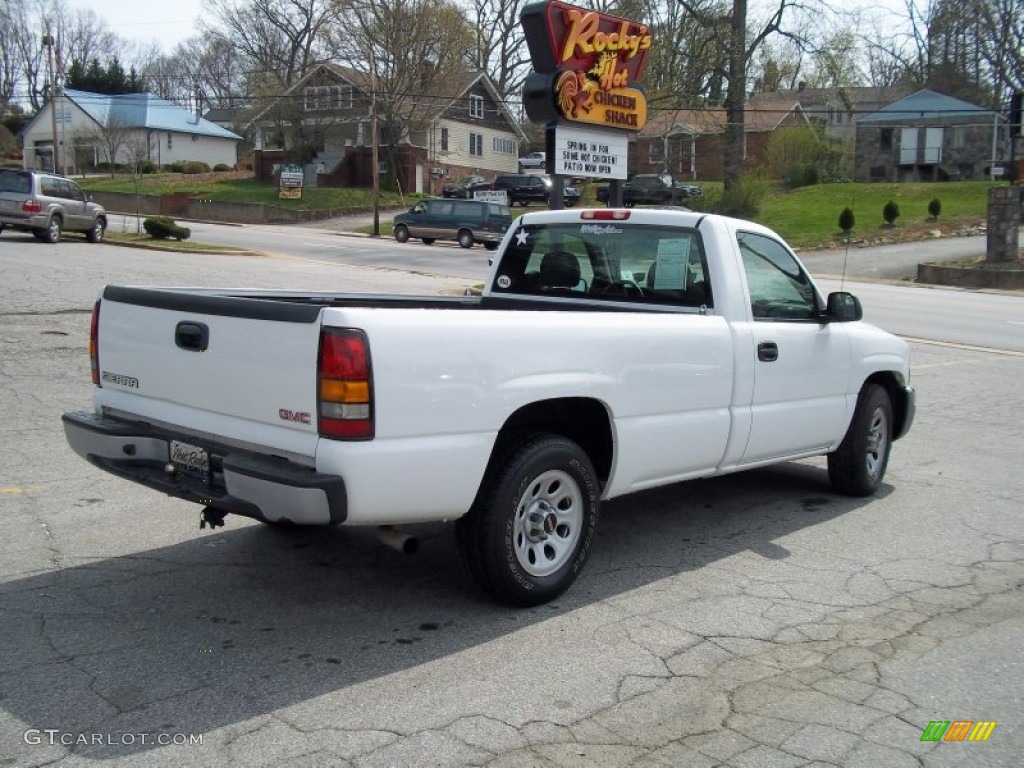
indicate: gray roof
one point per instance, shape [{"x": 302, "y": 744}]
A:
[
  {"x": 925, "y": 105},
  {"x": 144, "y": 110}
]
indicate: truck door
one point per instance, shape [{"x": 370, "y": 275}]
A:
[{"x": 801, "y": 365}]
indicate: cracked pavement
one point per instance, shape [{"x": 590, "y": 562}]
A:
[{"x": 750, "y": 620}]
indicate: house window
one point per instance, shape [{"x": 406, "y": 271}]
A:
[
  {"x": 170, "y": 140},
  {"x": 476, "y": 144},
  {"x": 656, "y": 153},
  {"x": 885, "y": 139},
  {"x": 476, "y": 107},
  {"x": 959, "y": 137},
  {"x": 503, "y": 146},
  {"x": 444, "y": 139},
  {"x": 324, "y": 97}
]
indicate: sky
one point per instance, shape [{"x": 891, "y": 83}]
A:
[{"x": 167, "y": 22}]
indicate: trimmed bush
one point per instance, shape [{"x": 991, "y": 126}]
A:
[
  {"x": 195, "y": 166},
  {"x": 846, "y": 220},
  {"x": 935, "y": 208},
  {"x": 743, "y": 200},
  {"x": 163, "y": 227},
  {"x": 890, "y": 212},
  {"x": 221, "y": 167}
]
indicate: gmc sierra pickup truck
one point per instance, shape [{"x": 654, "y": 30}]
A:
[{"x": 611, "y": 351}]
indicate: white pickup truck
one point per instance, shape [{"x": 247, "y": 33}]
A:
[{"x": 611, "y": 351}]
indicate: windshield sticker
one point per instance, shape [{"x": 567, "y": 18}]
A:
[
  {"x": 600, "y": 229},
  {"x": 504, "y": 281}
]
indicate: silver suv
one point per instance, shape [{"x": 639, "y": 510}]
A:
[{"x": 45, "y": 204}]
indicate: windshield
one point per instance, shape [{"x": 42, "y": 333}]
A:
[{"x": 611, "y": 260}]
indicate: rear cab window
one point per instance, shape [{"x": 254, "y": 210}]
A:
[{"x": 607, "y": 261}]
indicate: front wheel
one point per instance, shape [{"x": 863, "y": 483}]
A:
[
  {"x": 465, "y": 238},
  {"x": 528, "y": 533},
  {"x": 857, "y": 466},
  {"x": 402, "y": 233},
  {"x": 95, "y": 235}
]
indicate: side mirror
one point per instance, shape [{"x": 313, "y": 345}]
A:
[{"x": 843, "y": 307}]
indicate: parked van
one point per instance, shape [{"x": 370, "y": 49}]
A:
[{"x": 465, "y": 221}]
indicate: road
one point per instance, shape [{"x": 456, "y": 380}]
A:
[{"x": 753, "y": 620}]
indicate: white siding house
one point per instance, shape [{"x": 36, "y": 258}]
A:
[{"x": 136, "y": 125}]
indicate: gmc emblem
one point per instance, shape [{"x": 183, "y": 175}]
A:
[{"x": 302, "y": 417}]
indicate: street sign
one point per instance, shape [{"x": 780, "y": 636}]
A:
[{"x": 589, "y": 153}]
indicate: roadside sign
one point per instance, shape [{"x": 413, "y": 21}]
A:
[
  {"x": 589, "y": 153},
  {"x": 499, "y": 196},
  {"x": 290, "y": 182}
]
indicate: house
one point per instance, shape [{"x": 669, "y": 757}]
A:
[
  {"x": 325, "y": 118},
  {"x": 927, "y": 136},
  {"x": 836, "y": 109},
  {"x": 132, "y": 127},
  {"x": 687, "y": 143}
]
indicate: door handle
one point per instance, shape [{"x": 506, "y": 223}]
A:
[
  {"x": 195, "y": 337},
  {"x": 767, "y": 351}
]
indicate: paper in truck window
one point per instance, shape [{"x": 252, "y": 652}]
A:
[{"x": 673, "y": 255}]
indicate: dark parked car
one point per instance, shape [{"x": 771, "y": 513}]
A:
[
  {"x": 463, "y": 186},
  {"x": 651, "y": 189},
  {"x": 45, "y": 205},
  {"x": 526, "y": 188}
]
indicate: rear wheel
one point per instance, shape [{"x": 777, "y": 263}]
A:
[
  {"x": 52, "y": 232},
  {"x": 857, "y": 466},
  {"x": 95, "y": 235},
  {"x": 402, "y": 233},
  {"x": 528, "y": 533},
  {"x": 465, "y": 238}
]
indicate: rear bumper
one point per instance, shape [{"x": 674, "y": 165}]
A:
[
  {"x": 25, "y": 223},
  {"x": 241, "y": 482}
]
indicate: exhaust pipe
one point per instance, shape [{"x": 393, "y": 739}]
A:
[{"x": 400, "y": 541}]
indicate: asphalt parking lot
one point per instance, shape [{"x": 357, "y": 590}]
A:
[{"x": 751, "y": 620}]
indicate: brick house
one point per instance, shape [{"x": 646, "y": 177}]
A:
[
  {"x": 837, "y": 110},
  {"x": 326, "y": 119},
  {"x": 927, "y": 136},
  {"x": 687, "y": 143}
]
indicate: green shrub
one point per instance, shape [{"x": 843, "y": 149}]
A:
[
  {"x": 163, "y": 227},
  {"x": 846, "y": 220},
  {"x": 195, "y": 166},
  {"x": 147, "y": 166},
  {"x": 178, "y": 166},
  {"x": 221, "y": 167},
  {"x": 744, "y": 199},
  {"x": 890, "y": 212},
  {"x": 935, "y": 208},
  {"x": 802, "y": 175}
]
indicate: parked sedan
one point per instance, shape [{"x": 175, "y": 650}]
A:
[{"x": 462, "y": 187}]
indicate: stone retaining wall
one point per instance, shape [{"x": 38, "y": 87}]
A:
[{"x": 971, "y": 277}]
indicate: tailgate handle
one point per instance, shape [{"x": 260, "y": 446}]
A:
[{"x": 195, "y": 337}]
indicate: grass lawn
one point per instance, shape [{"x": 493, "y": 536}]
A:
[
  {"x": 805, "y": 217},
  {"x": 185, "y": 246},
  {"x": 241, "y": 191}
]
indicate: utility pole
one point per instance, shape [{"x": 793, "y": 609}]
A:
[
  {"x": 376, "y": 152},
  {"x": 48, "y": 42}
]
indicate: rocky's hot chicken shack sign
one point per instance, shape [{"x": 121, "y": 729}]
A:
[{"x": 587, "y": 66}]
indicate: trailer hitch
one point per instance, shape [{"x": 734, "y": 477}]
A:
[{"x": 212, "y": 517}]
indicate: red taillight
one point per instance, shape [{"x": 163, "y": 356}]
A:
[
  {"x": 32, "y": 206},
  {"x": 605, "y": 214},
  {"x": 344, "y": 385},
  {"x": 94, "y": 344}
]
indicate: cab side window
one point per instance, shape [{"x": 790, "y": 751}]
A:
[{"x": 779, "y": 288}]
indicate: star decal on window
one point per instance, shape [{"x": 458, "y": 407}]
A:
[{"x": 522, "y": 236}]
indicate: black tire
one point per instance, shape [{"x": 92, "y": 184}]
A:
[
  {"x": 528, "y": 533},
  {"x": 2, "y": 228},
  {"x": 465, "y": 238},
  {"x": 402, "y": 233},
  {"x": 857, "y": 466},
  {"x": 52, "y": 232},
  {"x": 428, "y": 240},
  {"x": 99, "y": 228},
  {"x": 491, "y": 246}
]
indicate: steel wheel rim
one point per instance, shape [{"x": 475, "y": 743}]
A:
[
  {"x": 878, "y": 442},
  {"x": 548, "y": 522}
]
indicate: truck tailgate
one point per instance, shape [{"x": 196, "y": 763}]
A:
[{"x": 233, "y": 366}]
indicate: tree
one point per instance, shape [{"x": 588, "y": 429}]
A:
[
  {"x": 741, "y": 46},
  {"x": 112, "y": 80},
  {"x": 110, "y": 140},
  {"x": 499, "y": 46}
]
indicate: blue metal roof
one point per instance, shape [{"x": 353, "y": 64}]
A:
[
  {"x": 924, "y": 105},
  {"x": 144, "y": 110}
]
